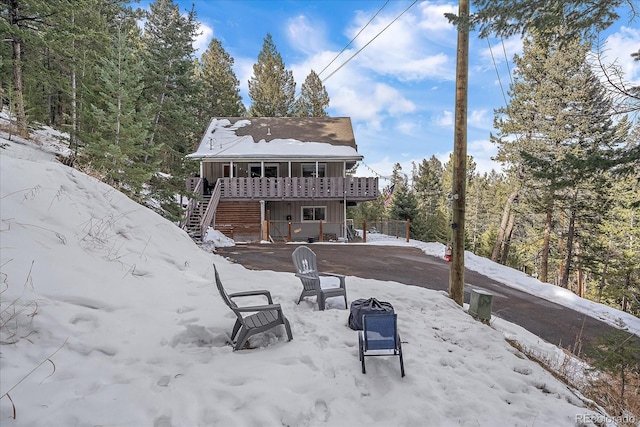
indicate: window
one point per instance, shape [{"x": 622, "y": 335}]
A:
[
  {"x": 270, "y": 170},
  {"x": 314, "y": 213},
  {"x": 226, "y": 169},
  {"x": 309, "y": 170}
]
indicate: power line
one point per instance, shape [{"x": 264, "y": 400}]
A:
[
  {"x": 506, "y": 60},
  {"x": 369, "y": 42},
  {"x": 497, "y": 72},
  {"x": 353, "y": 39}
]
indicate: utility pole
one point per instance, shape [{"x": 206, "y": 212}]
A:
[{"x": 456, "y": 272}]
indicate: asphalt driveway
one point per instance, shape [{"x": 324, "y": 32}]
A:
[{"x": 552, "y": 322}]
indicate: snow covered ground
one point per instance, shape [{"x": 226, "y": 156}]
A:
[{"x": 109, "y": 316}]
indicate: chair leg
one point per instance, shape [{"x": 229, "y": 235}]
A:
[
  {"x": 346, "y": 306},
  {"x": 361, "y": 352},
  {"x": 401, "y": 359},
  {"x": 243, "y": 336},
  {"x": 321, "y": 302},
  {"x": 236, "y": 328},
  {"x": 287, "y": 326}
]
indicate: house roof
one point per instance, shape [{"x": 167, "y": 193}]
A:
[{"x": 271, "y": 138}]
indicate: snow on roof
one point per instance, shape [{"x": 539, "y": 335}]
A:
[{"x": 324, "y": 138}]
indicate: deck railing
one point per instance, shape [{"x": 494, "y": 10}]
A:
[{"x": 353, "y": 188}]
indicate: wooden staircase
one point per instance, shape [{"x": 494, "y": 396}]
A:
[
  {"x": 193, "y": 222},
  {"x": 239, "y": 221}
]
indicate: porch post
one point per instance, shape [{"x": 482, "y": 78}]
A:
[
  {"x": 262, "y": 216},
  {"x": 231, "y": 169},
  {"x": 344, "y": 201}
]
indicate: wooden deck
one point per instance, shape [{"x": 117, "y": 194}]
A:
[{"x": 353, "y": 188}]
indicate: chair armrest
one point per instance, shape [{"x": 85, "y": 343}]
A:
[
  {"x": 305, "y": 276},
  {"x": 339, "y": 276},
  {"x": 332, "y": 274},
  {"x": 269, "y": 307},
  {"x": 264, "y": 292}
]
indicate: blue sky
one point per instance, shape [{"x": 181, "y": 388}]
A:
[{"x": 399, "y": 90}]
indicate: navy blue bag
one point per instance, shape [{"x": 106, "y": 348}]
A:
[{"x": 362, "y": 306}]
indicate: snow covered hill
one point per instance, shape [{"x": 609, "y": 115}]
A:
[{"x": 109, "y": 316}]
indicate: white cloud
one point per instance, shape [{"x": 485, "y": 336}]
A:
[
  {"x": 433, "y": 18},
  {"x": 353, "y": 92},
  {"x": 243, "y": 69},
  {"x": 392, "y": 100},
  {"x": 500, "y": 51},
  {"x": 480, "y": 119},
  {"x": 201, "y": 43},
  {"x": 444, "y": 119},
  {"x": 619, "y": 46},
  {"x": 304, "y": 35},
  {"x": 410, "y": 49},
  {"x": 406, "y": 126},
  {"x": 482, "y": 151}
]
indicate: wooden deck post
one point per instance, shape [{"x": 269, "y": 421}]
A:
[
  {"x": 364, "y": 231},
  {"x": 266, "y": 225},
  {"x": 320, "y": 236},
  {"x": 408, "y": 229},
  {"x": 289, "y": 231}
]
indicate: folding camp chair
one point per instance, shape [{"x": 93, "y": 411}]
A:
[{"x": 379, "y": 337}]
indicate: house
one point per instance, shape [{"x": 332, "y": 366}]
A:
[{"x": 278, "y": 178}]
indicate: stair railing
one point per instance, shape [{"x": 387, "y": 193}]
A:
[
  {"x": 210, "y": 213},
  {"x": 193, "y": 202}
]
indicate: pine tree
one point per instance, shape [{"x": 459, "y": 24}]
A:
[
  {"x": 170, "y": 87},
  {"x": 314, "y": 99},
  {"x": 581, "y": 17},
  {"x": 77, "y": 41},
  {"x": 220, "y": 91},
  {"x": 117, "y": 124},
  {"x": 565, "y": 138},
  {"x": 23, "y": 25},
  {"x": 271, "y": 88},
  {"x": 611, "y": 250},
  {"x": 427, "y": 184}
]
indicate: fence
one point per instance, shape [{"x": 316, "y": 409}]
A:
[
  {"x": 390, "y": 227},
  {"x": 321, "y": 231}
]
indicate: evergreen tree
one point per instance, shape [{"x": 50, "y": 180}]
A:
[
  {"x": 314, "y": 99},
  {"x": 23, "y": 25},
  {"x": 117, "y": 124},
  {"x": 77, "y": 41},
  {"x": 220, "y": 91},
  {"x": 565, "y": 138},
  {"x": 271, "y": 88},
  {"x": 427, "y": 184},
  {"x": 170, "y": 88},
  {"x": 610, "y": 251},
  {"x": 402, "y": 204},
  {"x": 581, "y": 17}
]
